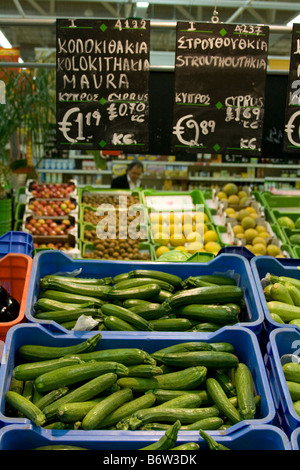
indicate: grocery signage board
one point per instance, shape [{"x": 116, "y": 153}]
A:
[
  {"x": 291, "y": 140},
  {"x": 102, "y": 80},
  {"x": 220, "y": 74}
]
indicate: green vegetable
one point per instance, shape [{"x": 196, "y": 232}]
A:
[
  {"x": 245, "y": 391},
  {"x": 285, "y": 313},
  {"x": 221, "y": 400},
  {"x": 31, "y": 370},
  {"x": 126, "y": 315},
  {"x": 25, "y": 406},
  {"x": 212, "y": 359},
  {"x": 128, "y": 408},
  {"x": 167, "y": 441},
  {"x": 280, "y": 292},
  {"x": 212, "y": 444}
]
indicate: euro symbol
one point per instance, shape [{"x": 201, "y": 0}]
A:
[
  {"x": 179, "y": 129},
  {"x": 290, "y": 127},
  {"x": 65, "y": 125}
]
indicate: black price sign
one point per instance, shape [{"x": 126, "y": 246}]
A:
[
  {"x": 102, "y": 81},
  {"x": 220, "y": 74},
  {"x": 291, "y": 141}
]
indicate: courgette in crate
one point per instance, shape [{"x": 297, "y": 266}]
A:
[
  {"x": 209, "y": 424},
  {"x": 202, "y": 295},
  {"x": 186, "y": 400},
  {"x": 170, "y": 324},
  {"x": 117, "y": 324},
  {"x": 182, "y": 347},
  {"x": 294, "y": 292},
  {"x": 146, "y": 291},
  {"x": 221, "y": 314},
  {"x": 36, "y": 352},
  {"x": 291, "y": 371},
  {"x": 71, "y": 375},
  {"x": 59, "y": 447},
  {"x": 85, "y": 392},
  {"x": 280, "y": 309},
  {"x": 25, "y": 406},
  {"x": 294, "y": 389},
  {"x": 79, "y": 280},
  {"x": 283, "y": 279},
  {"x": 149, "y": 311},
  {"x": 127, "y": 409},
  {"x": 210, "y": 279},
  {"x": 50, "y": 397},
  {"x": 67, "y": 315},
  {"x": 187, "y": 446},
  {"x": 221, "y": 400},
  {"x": 126, "y": 356},
  {"x": 280, "y": 293},
  {"x": 129, "y": 303},
  {"x": 45, "y": 305},
  {"x": 129, "y": 283},
  {"x": 184, "y": 379},
  {"x": 167, "y": 441},
  {"x": 97, "y": 291},
  {"x": 163, "y": 396},
  {"x": 206, "y": 326},
  {"x": 143, "y": 370},
  {"x": 126, "y": 315},
  {"x": 212, "y": 444},
  {"x": 71, "y": 298},
  {"x": 210, "y": 359},
  {"x": 94, "y": 418},
  {"x": 76, "y": 411},
  {"x": 226, "y": 383},
  {"x": 245, "y": 391},
  {"x": 154, "y": 274}
]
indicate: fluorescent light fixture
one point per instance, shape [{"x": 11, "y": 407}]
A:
[
  {"x": 142, "y": 4},
  {"x": 4, "y": 42},
  {"x": 294, "y": 20}
]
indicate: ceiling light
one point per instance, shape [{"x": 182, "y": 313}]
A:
[
  {"x": 294, "y": 20},
  {"x": 142, "y": 4},
  {"x": 4, "y": 41}
]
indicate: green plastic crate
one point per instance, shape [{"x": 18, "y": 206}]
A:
[
  {"x": 287, "y": 202},
  {"x": 91, "y": 189},
  {"x": 275, "y": 214}
]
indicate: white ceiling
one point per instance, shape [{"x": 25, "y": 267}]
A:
[{"x": 30, "y": 24}]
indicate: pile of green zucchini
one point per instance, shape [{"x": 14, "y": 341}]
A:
[
  {"x": 142, "y": 300},
  {"x": 201, "y": 384},
  {"x": 282, "y": 294},
  {"x": 291, "y": 372}
]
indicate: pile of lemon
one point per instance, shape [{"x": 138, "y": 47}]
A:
[
  {"x": 252, "y": 231},
  {"x": 184, "y": 232},
  {"x": 233, "y": 195}
]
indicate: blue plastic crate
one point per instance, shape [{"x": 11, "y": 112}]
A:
[
  {"x": 263, "y": 265},
  {"x": 235, "y": 266},
  {"x": 244, "y": 341},
  {"x": 282, "y": 341},
  {"x": 16, "y": 242},
  {"x": 264, "y": 437},
  {"x": 295, "y": 439}
]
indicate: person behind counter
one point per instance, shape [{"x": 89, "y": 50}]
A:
[{"x": 131, "y": 179}]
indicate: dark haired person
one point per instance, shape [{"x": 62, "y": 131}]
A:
[{"x": 131, "y": 179}]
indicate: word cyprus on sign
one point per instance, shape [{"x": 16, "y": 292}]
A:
[
  {"x": 291, "y": 141},
  {"x": 220, "y": 73},
  {"x": 102, "y": 81}
]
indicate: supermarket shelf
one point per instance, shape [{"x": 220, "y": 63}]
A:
[{"x": 228, "y": 178}]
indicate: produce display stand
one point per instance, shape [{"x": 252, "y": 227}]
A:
[{"x": 234, "y": 266}]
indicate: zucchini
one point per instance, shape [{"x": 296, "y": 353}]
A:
[
  {"x": 163, "y": 396},
  {"x": 60, "y": 447},
  {"x": 206, "y": 326},
  {"x": 245, "y": 391},
  {"x": 76, "y": 411},
  {"x": 212, "y": 444},
  {"x": 79, "y": 280},
  {"x": 97, "y": 291},
  {"x": 72, "y": 298},
  {"x": 203, "y": 295},
  {"x": 297, "y": 406},
  {"x": 85, "y": 392},
  {"x": 168, "y": 415},
  {"x": 45, "y": 304},
  {"x": 51, "y": 397},
  {"x": 277, "y": 318},
  {"x": 209, "y": 424},
  {"x": 170, "y": 324},
  {"x": 186, "y": 400},
  {"x": 284, "y": 279},
  {"x": 209, "y": 279},
  {"x": 129, "y": 303},
  {"x": 184, "y": 379},
  {"x": 294, "y": 389},
  {"x": 94, "y": 418},
  {"x": 187, "y": 446},
  {"x": 280, "y": 292},
  {"x": 35, "y": 352},
  {"x": 294, "y": 293},
  {"x": 225, "y": 382},
  {"x": 182, "y": 347},
  {"x": 167, "y": 441},
  {"x": 150, "y": 311},
  {"x": 129, "y": 283},
  {"x": 267, "y": 292},
  {"x": 210, "y": 359},
  {"x": 126, "y": 356},
  {"x": 162, "y": 296},
  {"x": 28, "y": 389},
  {"x": 159, "y": 275},
  {"x": 117, "y": 324},
  {"x": 291, "y": 371},
  {"x": 285, "y": 312},
  {"x": 31, "y": 370},
  {"x": 128, "y": 408},
  {"x": 143, "y": 370},
  {"x": 63, "y": 426},
  {"x": 221, "y": 400},
  {"x": 221, "y": 314},
  {"x": 127, "y": 316},
  {"x": 71, "y": 375},
  {"x": 67, "y": 315},
  {"x": 25, "y": 406},
  {"x": 146, "y": 291},
  {"x": 223, "y": 346}
]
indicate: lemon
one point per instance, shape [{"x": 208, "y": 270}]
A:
[
  {"x": 273, "y": 250},
  {"x": 254, "y": 215},
  {"x": 242, "y": 214},
  {"x": 210, "y": 236},
  {"x": 194, "y": 237},
  {"x": 264, "y": 234},
  {"x": 156, "y": 228},
  {"x": 229, "y": 210},
  {"x": 233, "y": 199},
  {"x": 259, "y": 240},
  {"x": 242, "y": 194},
  {"x": 181, "y": 248},
  {"x": 259, "y": 249},
  {"x": 250, "y": 209},
  {"x": 212, "y": 247},
  {"x": 199, "y": 216},
  {"x": 238, "y": 229},
  {"x": 221, "y": 195},
  {"x": 161, "y": 238},
  {"x": 175, "y": 229},
  {"x": 161, "y": 250},
  {"x": 194, "y": 247},
  {"x": 177, "y": 239},
  {"x": 200, "y": 227},
  {"x": 156, "y": 218},
  {"x": 240, "y": 235},
  {"x": 230, "y": 188},
  {"x": 172, "y": 218},
  {"x": 250, "y": 234},
  {"x": 187, "y": 228},
  {"x": 248, "y": 222},
  {"x": 260, "y": 228}
]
